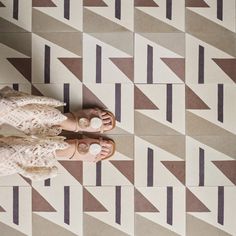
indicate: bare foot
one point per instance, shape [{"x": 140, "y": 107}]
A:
[
  {"x": 106, "y": 119},
  {"x": 88, "y": 149}
]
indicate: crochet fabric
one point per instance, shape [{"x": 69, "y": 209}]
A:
[{"x": 34, "y": 155}]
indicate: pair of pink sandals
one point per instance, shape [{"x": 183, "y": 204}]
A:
[{"x": 89, "y": 148}]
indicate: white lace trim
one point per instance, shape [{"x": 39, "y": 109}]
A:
[{"x": 17, "y": 152}]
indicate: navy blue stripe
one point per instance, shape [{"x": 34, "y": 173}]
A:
[
  {"x": 99, "y": 173},
  {"x": 15, "y": 9},
  {"x": 67, "y": 9},
  {"x": 15, "y": 87},
  {"x": 98, "y": 64},
  {"x": 220, "y": 218},
  {"x": 67, "y": 98},
  {"x": 220, "y": 104},
  {"x": 118, "y": 9},
  {"x": 118, "y": 102},
  {"x": 118, "y": 204},
  {"x": 170, "y": 205},
  {"x": 47, "y": 182},
  {"x": 149, "y": 64},
  {"x": 16, "y": 205},
  {"x": 47, "y": 64},
  {"x": 201, "y": 65},
  {"x": 201, "y": 166},
  {"x": 169, "y": 9},
  {"x": 149, "y": 167},
  {"x": 169, "y": 102},
  {"x": 220, "y": 9},
  {"x": 67, "y": 205}
]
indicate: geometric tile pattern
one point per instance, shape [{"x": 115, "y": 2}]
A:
[{"x": 167, "y": 69}]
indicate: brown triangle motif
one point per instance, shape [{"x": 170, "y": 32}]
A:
[
  {"x": 126, "y": 168},
  {"x": 228, "y": 168},
  {"x": 35, "y": 91},
  {"x": 75, "y": 168},
  {"x": 75, "y": 65},
  {"x": 145, "y": 3},
  {"x": 126, "y": 65},
  {"x": 39, "y": 203},
  {"x": 2, "y": 209},
  {"x": 91, "y": 100},
  {"x": 90, "y": 203},
  {"x": 43, "y": 3},
  {"x": 2, "y": 5},
  {"x": 141, "y": 101},
  {"x": 177, "y": 65},
  {"x": 228, "y": 66},
  {"x": 28, "y": 180},
  {"x": 177, "y": 168},
  {"x": 193, "y": 204},
  {"x": 23, "y": 65},
  {"x": 142, "y": 204},
  {"x": 195, "y": 3},
  {"x": 192, "y": 101},
  {"x": 94, "y": 3}
]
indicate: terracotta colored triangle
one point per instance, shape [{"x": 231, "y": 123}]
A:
[
  {"x": 35, "y": 91},
  {"x": 126, "y": 168},
  {"x": 177, "y": 65},
  {"x": 94, "y": 3},
  {"x": 177, "y": 168},
  {"x": 75, "y": 168},
  {"x": 192, "y": 101},
  {"x": 75, "y": 65},
  {"x": 126, "y": 65},
  {"x": 142, "y": 204},
  {"x": 145, "y": 3},
  {"x": 23, "y": 65},
  {"x": 90, "y": 203},
  {"x": 193, "y": 204},
  {"x": 196, "y": 3},
  {"x": 2, "y": 209},
  {"x": 228, "y": 66},
  {"x": 39, "y": 203},
  {"x": 228, "y": 168},
  {"x": 43, "y": 3},
  {"x": 28, "y": 180},
  {"x": 141, "y": 101},
  {"x": 91, "y": 100},
  {"x": 2, "y": 5}
]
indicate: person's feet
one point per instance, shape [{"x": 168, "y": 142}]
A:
[
  {"x": 84, "y": 121},
  {"x": 92, "y": 150}
]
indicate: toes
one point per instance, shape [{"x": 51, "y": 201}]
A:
[
  {"x": 105, "y": 116},
  {"x": 106, "y": 121}
]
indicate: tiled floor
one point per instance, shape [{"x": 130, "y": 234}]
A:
[{"x": 167, "y": 69}]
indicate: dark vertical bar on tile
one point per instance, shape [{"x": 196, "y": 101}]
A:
[
  {"x": 15, "y": 9},
  {"x": 149, "y": 64},
  {"x": 47, "y": 182},
  {"x": 169, "y": 102},
  {"x": 201, "y": 166},
  {"x": 67, "y": 9},
  {"x": 118, "y": 9},
  {"x": 67, "y": 205},
  {"x": 98, "y": 64},
  {"x": 170, "y": 205},
  {"x": 169, "y": 9},
  {"x": 47, "y": 64},
  {"x": 15, "y": 87},
  {"x": 67, "y": 97},
  {"x": 99, "y": 173},
  {"x": 149, "y": 167},
  {"x": 16, "y": 205},
  {"x": 201, "y": 64},
  {"x": 118, "y": 102},
  {"x": 118, "y": 204},
  {"x": 220, "y": 219},
  {"x": 220, "y": 9},
  {"x": 220, "y": 102}
]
